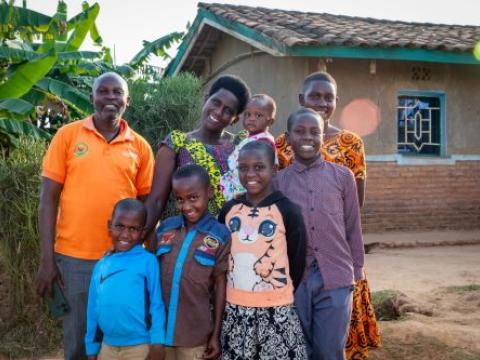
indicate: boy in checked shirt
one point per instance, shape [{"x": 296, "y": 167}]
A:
[{"x": 327, "y": 194}]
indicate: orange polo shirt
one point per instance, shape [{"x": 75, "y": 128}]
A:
[{"x": 95, "y": 175}]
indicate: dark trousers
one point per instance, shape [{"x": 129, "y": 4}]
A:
[
  {"x": 76, "y": 278},
  {"x": 324, "y": 315}
]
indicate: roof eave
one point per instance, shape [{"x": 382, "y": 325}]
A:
[
  {"x": 426, "y": 55},
  {"x": 237, "y": 30},
  {"x": 275, "y": 48}
]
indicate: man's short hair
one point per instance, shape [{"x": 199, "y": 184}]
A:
[
  {"x": 301, "y": 111},
  {"x": 130, "y": 204},
  {"x": 318, "y": 76},
  {"x": 192, "y": 170},
  {"x": 109, "y": 74},
  {"x": 260, "y": 146},
  {"x": 236, "y": 86}
]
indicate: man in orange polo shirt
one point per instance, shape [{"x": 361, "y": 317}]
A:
[{"x": 89, "y": 166}]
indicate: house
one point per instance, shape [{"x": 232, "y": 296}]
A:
[{"x": 411, "y": 90}]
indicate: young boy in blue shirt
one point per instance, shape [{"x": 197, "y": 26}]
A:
[
  {"x": 193, "y": 249},
  {"x": 125, "y": 312}
]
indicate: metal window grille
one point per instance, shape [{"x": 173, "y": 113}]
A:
[{"x": 419, "y": 128}]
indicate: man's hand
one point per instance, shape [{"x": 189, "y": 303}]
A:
[
  {"x": 157, "y": 352},
  {"x": 212, "y": 351},
  {"x": 46, "y": 275}
]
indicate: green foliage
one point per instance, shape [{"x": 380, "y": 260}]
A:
[
  {"x": 40, "y": 63},
  {"x": 382, "y": 303},
  {"x": 158, "y": 108},
  {"x": 28, "y": 327},
  {"x": 464, "y": 288},
  {"x": 158, "y": 47}
]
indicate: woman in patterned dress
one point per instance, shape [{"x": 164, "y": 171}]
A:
[
  {"x": 345, "y": 148},
  {"x": 209, "y": 145}
]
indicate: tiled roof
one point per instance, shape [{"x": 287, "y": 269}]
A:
[{"x": 294, "y": 28}]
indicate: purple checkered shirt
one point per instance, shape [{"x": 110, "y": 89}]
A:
[{"x": 327, "y": 195}]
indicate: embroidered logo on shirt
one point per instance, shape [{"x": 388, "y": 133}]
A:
[
  {"x": 167, "y": 238},
  {"x": 105, "y": 277},
  {"x": 210, "y": 242},
  {"x": 130, "y": 154},
  {"x": 81, "y": 149}
]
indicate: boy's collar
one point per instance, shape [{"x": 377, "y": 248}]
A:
[
  {"x": 202, "y": 224},
  {"x": 299, "y": 167}
]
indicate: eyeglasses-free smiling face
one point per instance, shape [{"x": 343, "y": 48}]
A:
[
  {"x": 255, "y": 173},
  {"x": 191, "y": 198},
  {"x": 110, "y": 98},
  {"x": 320, "y": 96},
  {"x": 126, "y": 229},
  {"x": 306, "y": 137},
  {"x": 219, "y": 110}
]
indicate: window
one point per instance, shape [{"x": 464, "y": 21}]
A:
[{"x": 421, "y": 117}]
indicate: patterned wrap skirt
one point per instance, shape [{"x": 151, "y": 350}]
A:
[
  {"x": 262, "y": 333},
  {"x": 363, "y": 331}
]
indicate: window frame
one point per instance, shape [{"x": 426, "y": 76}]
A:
[{"x": 443, "y": 120}]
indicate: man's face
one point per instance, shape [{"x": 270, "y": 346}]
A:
[
  {"x": 110, "y": 99},
  {"x": 320, "y": 96}
]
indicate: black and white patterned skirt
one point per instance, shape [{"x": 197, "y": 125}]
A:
[{"x": 250, "y": 333}]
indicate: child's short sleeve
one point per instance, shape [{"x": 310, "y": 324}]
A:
[{"x": 221, "y": 263}]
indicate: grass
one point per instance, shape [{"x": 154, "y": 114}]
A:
[
  {"x": 31, "y": 340},
  {"x": 464, "y": 288},
  {"x": 418, "y": 346},
  {"x": 382, "y": 303}
]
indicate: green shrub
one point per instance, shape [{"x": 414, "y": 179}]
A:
[
  {"x": 160, "y": 107},
  {"x": 27, "y": 327}
]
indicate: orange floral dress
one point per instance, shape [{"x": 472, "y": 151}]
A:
[{"x": 346, "y": 148}]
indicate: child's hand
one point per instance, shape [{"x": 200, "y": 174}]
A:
[
  {"x": 212, "y": 351},
  {"x": 93, "y": 357},
  {"x": 157, "y": 352}
]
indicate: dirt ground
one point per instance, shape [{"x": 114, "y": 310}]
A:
[{"x": 427, "y": 275}]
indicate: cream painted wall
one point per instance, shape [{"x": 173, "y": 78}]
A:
[{"x": 281, "y": 77}]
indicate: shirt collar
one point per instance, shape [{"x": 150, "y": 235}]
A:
[
  {"x": 299, "y": 167},
  {"x": 125, "y": 133},
  {"x": 203, "y": 225}
]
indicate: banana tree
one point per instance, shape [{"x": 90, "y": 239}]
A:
[
  {"x": 41, "y": 64},
  {"x": 157, "y": 47}
]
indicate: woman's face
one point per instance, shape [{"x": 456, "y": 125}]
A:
[{"x": 219, "y": 110}]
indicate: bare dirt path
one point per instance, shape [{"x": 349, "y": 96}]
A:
[{"x": 427, "y": 276}]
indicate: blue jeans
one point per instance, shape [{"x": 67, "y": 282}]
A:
[
  {"x": 76, "y": 279},
  {"x": 324, "y": 315}
]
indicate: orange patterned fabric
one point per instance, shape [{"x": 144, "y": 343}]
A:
[
  {"x": 346, "y": 148},
  {"x": 363, "y": 325}
]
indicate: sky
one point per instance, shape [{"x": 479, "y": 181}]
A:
[{"x": 125, "y": 24}]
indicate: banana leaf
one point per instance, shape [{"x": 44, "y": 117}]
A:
[
  {"x": 81, "y": 25},
  {"x": 17, "y": 109},
  {"x": 26, "y": 75},
  {"x": 157, "y": 47},
  {"x": 16, "y": 55},
  {"x": 18, "y": 128},
  {"x": 14, "y": 18},
  {"x": 69, "y": 94}
]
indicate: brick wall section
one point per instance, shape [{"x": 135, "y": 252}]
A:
[{"x": 420, "y": 198}]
